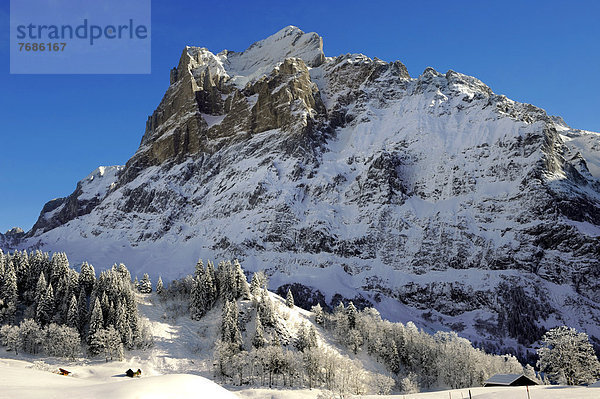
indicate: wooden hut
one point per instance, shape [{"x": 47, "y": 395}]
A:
[{"x": 509, "y": 380}]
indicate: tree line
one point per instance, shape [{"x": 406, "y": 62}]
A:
[
  {"x": 257, "y": 346},
  {"x": 47, "y": 306}
]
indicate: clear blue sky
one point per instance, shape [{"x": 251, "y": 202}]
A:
[{"x": 55, "y": 129}]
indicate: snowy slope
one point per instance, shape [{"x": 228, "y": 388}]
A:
[
  {"x": 432, "y": 198},
  {"x": 20, "y": 381},
  {"x": 547, "y": 392},
  {"x": 179, "y": 365},
  {"x": 25, "y": 383}
]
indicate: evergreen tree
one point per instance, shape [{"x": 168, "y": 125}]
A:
[
  {"x": 319, "y": 315},
  {"x": 22, "y": 270},
  {"x": 132, "y": 319},
  {"x": 230, "y": 329},
  {"x": 209, "y": 290},
  {"x": 109, "y": 344},
  {"x": 199, "y": 269},
  {"x": 123, "y": 273},
  {"x": 40, "y": 289},
  {"x": 351, "y": 312},
  {"x": 8, "y": 293},
  {"x": 96, "y": 324},
  {"x": 259, "y": 340},
  {"x": 46, "y": 307},
  {"x": 266, "y": 311},
  {"x": 289, "y": 299},
  {"x": 145, "y": 285},
  {"x": 255, "y": 285},
  {"x": 121, "y": 323},
  {"x": 241, "y": 284},
  {"x": 302, "y": 339},
  {"x": 210, "y": 287},
  {"x": 38, "y": 263},
  {"x": 96, "y": 319},
  {"x": 82, "y": 310},
  {"x": 210, "y": 270},
  {"x": 59, "y": 266},
  {"x": 197, "y": 304},
  {"x": 159, "y": 286},
  {"x": 87, "y": 277},
  {"x": 355, "y": 340},
  {"x": 73, "y": 313},
  {"x": 227, "y": 283},
  {"x": 2, "y": 262},
  {"x": 105, "y": 305},
  {"x": 312, "y": 337},
  {"x": 62, "y": 296},
  {"x": 112, "y": 315}
]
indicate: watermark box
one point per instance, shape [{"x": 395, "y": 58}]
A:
[{"x": 80, "y": 36}]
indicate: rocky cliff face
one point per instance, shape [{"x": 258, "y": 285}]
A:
[{"x": 431, "y": 197}]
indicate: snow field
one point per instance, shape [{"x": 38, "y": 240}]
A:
[{"x": 18, "y": 381}]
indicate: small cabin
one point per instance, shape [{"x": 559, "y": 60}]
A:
[
  {"x": 594, "y": 385},
  {"x": 509, "y": 380}
]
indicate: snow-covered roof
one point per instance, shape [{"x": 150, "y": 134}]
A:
[
  {"x": 506, "y": 379},
  {"x": 595, "y": 385}
]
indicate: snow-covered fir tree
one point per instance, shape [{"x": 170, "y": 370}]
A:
[
  {"x": 209, "y": 289},
  {"x": 351, "y": 313},
  {"x": 82, "y": 310},
  {"x": 109, "y": 343},
  {"x": 197, "y": 299},
  {"x": 96, "y": 324},
  {"x": 230, "y": 329},
  {"x": 258, "y": 339},
  {"x": 199, "y": 269},
  {"x": 265, "y": 309},
  {"x": 241, "y": 284},
  {"x": 318, "y": 314},
  {"x": 73, "y": 313},
  {"x": 289, "y": 299},
  {"x": 40, "y": 290},
  {"x": 145, "y": 286},
  {"x": 52, "y": 298},
  {"x": 8, "y": 293},
  {"x": 121, "y": 324},
  {"x": 59, "y": 267},
  {"x": 159, "y": 286},
  {"x": 46, "y": 307},
  {"x": 87, "y": 277},
  {"x": 255, "y": 285}
]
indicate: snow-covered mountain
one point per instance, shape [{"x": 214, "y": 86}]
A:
[{"x": 432, "y": 198}]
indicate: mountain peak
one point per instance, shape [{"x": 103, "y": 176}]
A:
[{"x": 261, "y": 57}]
